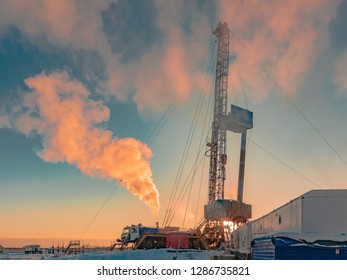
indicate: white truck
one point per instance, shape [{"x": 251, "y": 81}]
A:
[{"x": 142, "y": 237}]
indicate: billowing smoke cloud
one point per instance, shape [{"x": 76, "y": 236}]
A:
[{"x": 59, "y": 109}]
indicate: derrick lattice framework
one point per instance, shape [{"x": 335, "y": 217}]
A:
[
  {"x": 218, "y": 139},
  {"x": 219, "y": 210}
]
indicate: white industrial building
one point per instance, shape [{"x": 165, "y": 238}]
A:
[{"x": 317, "y": 211}]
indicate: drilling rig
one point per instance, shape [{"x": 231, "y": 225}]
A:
[{"x": 220, "y": 212}]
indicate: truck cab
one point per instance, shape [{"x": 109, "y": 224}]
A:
[
  {"x": 133, "y": 233},
  {"x": 130, "y": 233}
]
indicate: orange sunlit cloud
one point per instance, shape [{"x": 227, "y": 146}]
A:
[
  {"x": 282, "y": 39},
  {"x": 174, "y": 80}
]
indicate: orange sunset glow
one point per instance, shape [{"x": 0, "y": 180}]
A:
[{"x": 105, "y": 114}]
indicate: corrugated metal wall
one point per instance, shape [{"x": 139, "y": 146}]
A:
[
  {"x": 263, "y": 249},
  {"x": 281, "y": 248}
]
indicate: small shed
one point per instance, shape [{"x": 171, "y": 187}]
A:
[
  {"x": 177, "y": 240},
  {"x": 32, "y": 249}
]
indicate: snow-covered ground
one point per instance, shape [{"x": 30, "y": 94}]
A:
[
  {"x": 20, "y": 256},
  {"x": 154, "y": 254}
]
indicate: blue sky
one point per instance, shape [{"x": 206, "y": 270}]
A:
[{"x": 134, "y": 58}]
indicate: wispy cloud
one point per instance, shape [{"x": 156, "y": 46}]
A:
[
  {"x": 153, "y": 59},
  {"x": 4, "y": 119},
  {"x": 341, "y": 73},
  {"x": 283, "y": 39},
  {"x": 131, "y": 28},
  {"x": 338, "y": 28}
]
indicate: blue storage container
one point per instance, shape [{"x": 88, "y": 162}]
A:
[
  {"x": 148, "y": 230},
  {"x": 299, "y": 247}
]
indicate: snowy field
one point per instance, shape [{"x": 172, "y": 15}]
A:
[
  {"x": 19, "y": 256},
  {"x": 155, "y": 254}
]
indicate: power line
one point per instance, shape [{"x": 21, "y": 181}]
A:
[
  {"x": 182, "y": 193},
  {"x": 209, "y": 115},
  {"x": 294, "y": 105},
  {"x": 284, "y": 163},
  {"x": 166, "y": 115},
  {"x": 184, "y": 157},
  {"x": 302, "y": 114},
  {"x": 188, "y": 144},
  {"x": 151, "y": 137},
  {"x": 198, "y": 153},
  {"x": 98, "y": 212},
  {"x": 172, "y": 205},
  {"x": 162, "y": 121}
]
